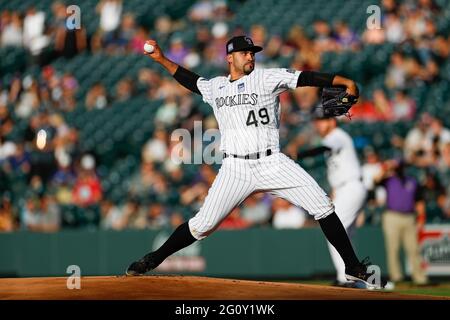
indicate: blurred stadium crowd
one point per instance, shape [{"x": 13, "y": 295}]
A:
[{"x": 86, "y": 119}]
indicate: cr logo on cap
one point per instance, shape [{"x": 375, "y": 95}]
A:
[{"x": 249, "y": 41}]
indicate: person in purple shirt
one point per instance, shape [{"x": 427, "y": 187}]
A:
[
  {"x": 345, "y": 38},
  {"x": 177, "y": 51},
  {"x": 404, "y": 216}
]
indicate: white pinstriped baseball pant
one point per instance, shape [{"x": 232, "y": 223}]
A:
[{"x": 238, "y": 178}]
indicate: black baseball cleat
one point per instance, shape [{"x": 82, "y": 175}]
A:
[
  {"x": 360, "y": 273},
  {"x": 142, "y": 266}
]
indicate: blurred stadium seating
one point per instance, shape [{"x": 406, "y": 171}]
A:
[{"x": 117, "y": 134}]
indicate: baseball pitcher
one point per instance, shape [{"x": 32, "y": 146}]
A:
[{"x": 246, "y": 106}]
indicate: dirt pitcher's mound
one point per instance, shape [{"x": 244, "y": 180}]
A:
[{"x": 181, "y": 288}]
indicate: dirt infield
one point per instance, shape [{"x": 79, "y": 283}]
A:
[{"x": 182, "y": 288}]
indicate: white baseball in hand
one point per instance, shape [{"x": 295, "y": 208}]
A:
[{"x": 149, "y": 48}]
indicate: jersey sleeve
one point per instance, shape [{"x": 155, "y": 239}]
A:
[
  {"x": 278, "y": 80},
  {"x": 205, "y": 88},
  {"x": 334, "y": 142}
]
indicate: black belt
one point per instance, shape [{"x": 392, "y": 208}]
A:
[{"x": 256, "y": 155}]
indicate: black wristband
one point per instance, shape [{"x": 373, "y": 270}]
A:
[
  {"x": 315, "y": 79},
  {"x": 187, "y": 79}
]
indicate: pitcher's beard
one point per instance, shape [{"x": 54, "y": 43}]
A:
[{"x": 248, "y": 68}]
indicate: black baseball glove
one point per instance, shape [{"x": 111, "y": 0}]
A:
[{"x": 336, "y": 101}]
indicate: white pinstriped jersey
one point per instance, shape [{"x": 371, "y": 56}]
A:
[
  {"x": 248, "y": 113},
  {"x": 343, "y": 164},
  {"x": 248, "y": 109}
]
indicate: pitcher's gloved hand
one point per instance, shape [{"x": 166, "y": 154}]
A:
[{"x": 336, "y": 101}]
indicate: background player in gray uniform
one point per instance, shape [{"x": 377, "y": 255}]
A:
[
  {"x": 246, "y": 106},
  {"x": 344, "y": 177}
]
